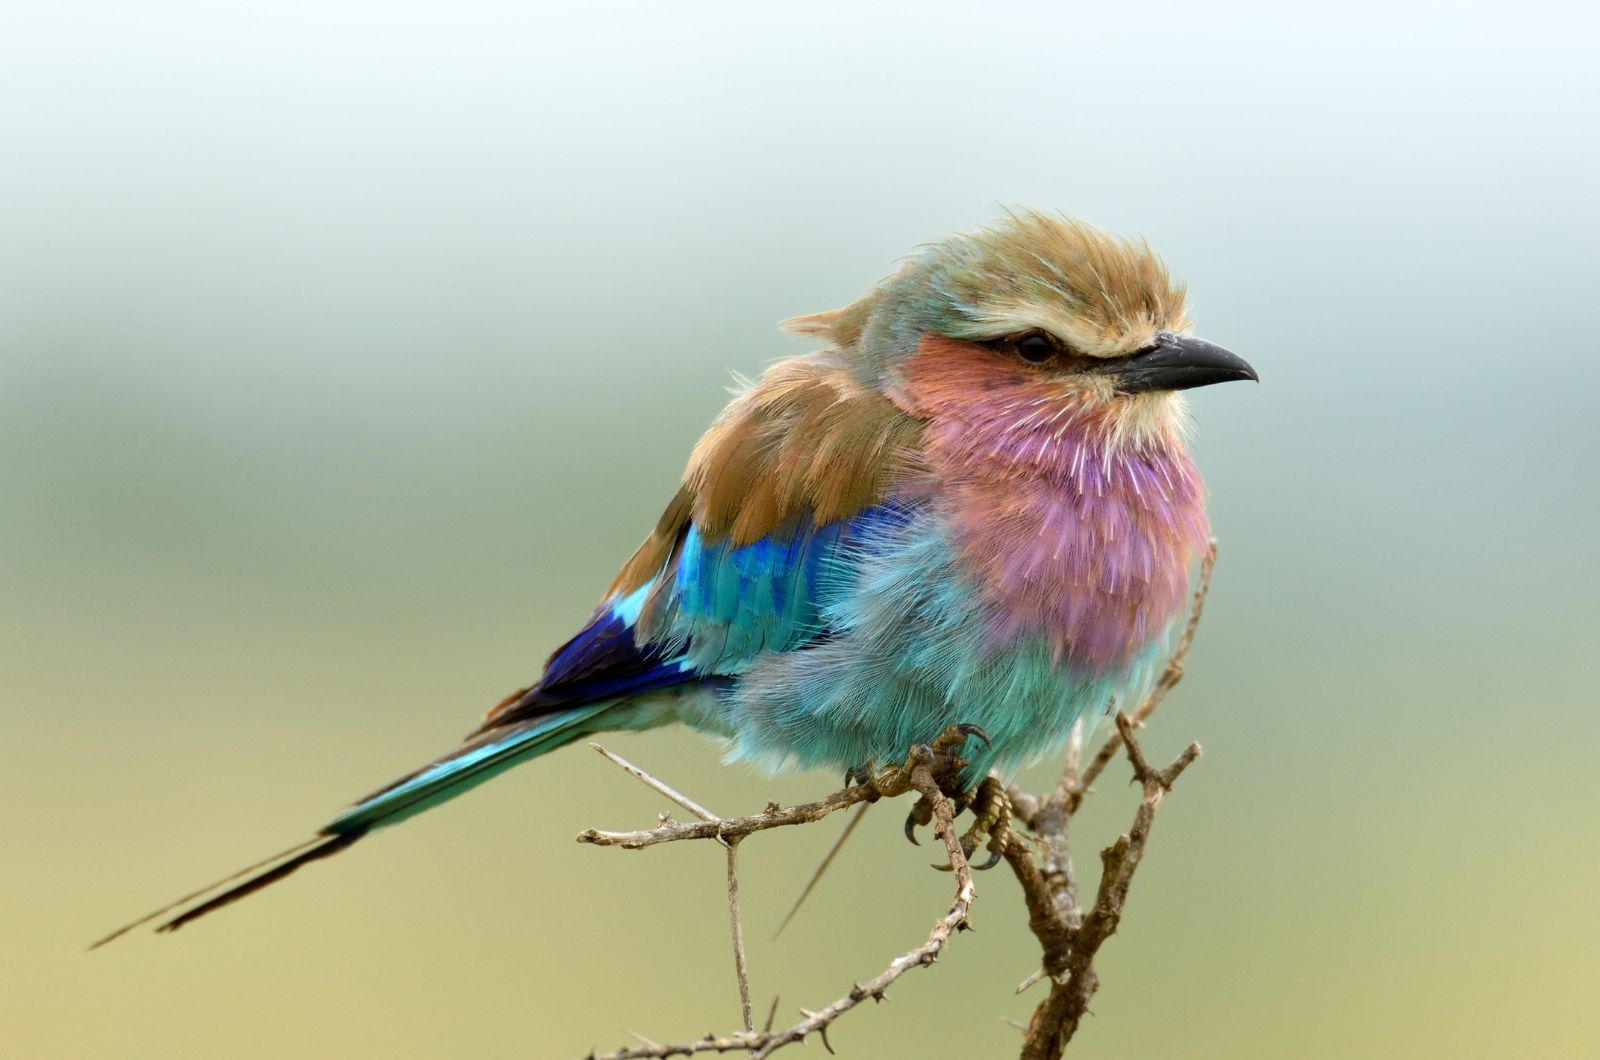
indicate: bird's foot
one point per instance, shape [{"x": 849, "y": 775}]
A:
[
  {"x": 991, "y": 816},
  {"x": 943, "y": 763}
]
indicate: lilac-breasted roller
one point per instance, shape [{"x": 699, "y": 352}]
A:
[{"x": 972, "y": 506}]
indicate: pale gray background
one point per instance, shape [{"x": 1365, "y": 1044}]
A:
[{"x": 345, "y": 350}]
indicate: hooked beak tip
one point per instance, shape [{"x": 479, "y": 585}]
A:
[{"x": 1180, "y": 362}]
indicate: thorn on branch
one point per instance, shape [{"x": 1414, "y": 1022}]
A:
[{"x": 1037, "y": 975}]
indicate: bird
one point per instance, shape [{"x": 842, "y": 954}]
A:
[{"x": 972, "y": 505}]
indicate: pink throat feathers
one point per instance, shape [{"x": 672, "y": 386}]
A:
[{"x": 1070, "y": 526}]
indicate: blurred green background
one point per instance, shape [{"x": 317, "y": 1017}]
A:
[{"x": 346, "y": 350}]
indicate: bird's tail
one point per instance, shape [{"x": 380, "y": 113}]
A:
[{"x": 475, "y": 761}]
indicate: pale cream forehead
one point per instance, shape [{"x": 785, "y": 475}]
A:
[{"x": 1101, "y": 294}]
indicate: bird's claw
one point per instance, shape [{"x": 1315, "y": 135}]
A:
[
  {"x": 954, "y": 736},
  {"x": 921, "y": 814},
  {"x": 943, "y": 763},
  {"x": 993, "y": 860},
  {"x": 991, "y": 813}
]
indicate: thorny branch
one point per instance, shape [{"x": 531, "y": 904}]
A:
[
  {"x": 1069, "y": 935},
  {"x": 917, "y": 776}
]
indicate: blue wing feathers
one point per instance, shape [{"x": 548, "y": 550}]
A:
[
  {"x": 710, "y": 613},
  {"x": 729, "y": 605}
]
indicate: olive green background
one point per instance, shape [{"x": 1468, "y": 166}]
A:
[{"x": 346, "y": 350}]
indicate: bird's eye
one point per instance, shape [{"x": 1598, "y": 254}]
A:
[{"x": 1035, "y": 349}]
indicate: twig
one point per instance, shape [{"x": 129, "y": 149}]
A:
[
  {"x": 764, "y": 1043},
  {"x": 774, "y": 816},
  {"x": 741, "y": 968},
  {"x": 1072, "y": 768},
  {"x": 654, "y": 784}
]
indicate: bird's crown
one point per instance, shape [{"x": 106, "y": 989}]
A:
[{"x": 1096, "y": 294}]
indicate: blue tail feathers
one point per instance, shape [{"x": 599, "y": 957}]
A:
[
  {"x": 483, "y": 756},
  {"x": 466, "y": 767}
]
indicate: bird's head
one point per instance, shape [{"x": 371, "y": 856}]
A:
[{"x": 1035, "y": 311}]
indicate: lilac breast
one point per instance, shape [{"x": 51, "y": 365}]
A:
[
  {"x": 1069, "y": 529},
  {"x": 1095, "y": 560}
]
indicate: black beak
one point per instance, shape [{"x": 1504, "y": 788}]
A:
[{"x": 1177, "y": 362}]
